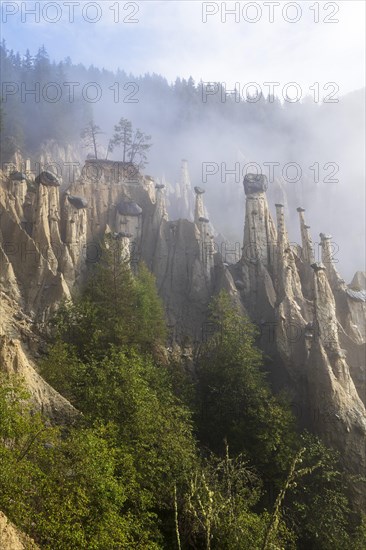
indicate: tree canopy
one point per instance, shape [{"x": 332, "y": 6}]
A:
[{"x": 158, "y": 458}]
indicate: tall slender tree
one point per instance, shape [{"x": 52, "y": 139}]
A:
[
  {"x": 135, "y": 143},
  {"x": 89, "y": 135}
]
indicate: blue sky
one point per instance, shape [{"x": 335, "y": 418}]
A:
[{"x": 171, "y": 38}]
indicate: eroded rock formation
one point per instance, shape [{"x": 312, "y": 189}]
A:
[
  {"x": 312, "y": 324},
  {"x": 12, "y": 539}
]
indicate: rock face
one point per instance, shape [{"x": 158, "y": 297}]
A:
[
  {"x": 181, "y": 196},
  {"x": 64, "y": 161},
  {"x": 180, "y": 253},
  {"x": 33, "y": 259},
  {"x": 61, "y": 233},
  {"x": 12, "y": 539},
  {"x": 43, "y": 396},
  {"x": 312, "y": 324}
]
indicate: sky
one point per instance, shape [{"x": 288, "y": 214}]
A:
[{"x": 303, "y": 42}]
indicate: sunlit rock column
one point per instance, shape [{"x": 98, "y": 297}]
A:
[
  {"x": 325, "y": 310},
  {"x": 18, "y": 190},
  {"x": 160, "y": 209},
  {"x": 351, "y": 304},
  {"x": 184, "y": 195},
  {"x": 125, "y": 247},
  {"x": 327, "y": 327},
  {"x": 206, "y": 238},
  {"x": 120, "y": 245},
  {"x": 259, "y": 250},
  {"x": 281, "y": 278},
  {"x": 287, "y": 281},
  {"x": 75, "y": 223},
  {"x": 148, "y": 183},
  {"x": 129, "y": 218},
  {"x": 8, "y": 282},
  {"x": 290, "y": 308},
  {"x": 328, "y": 252},
  {"x": 185, "y": 184},
  {"x": 306, "y": 242},
  {"x": 338, "y": 414},
  {"x": 54, "y": 221},
  {"x": 129, "y": 221},
  {"x": 259, "y": 231},
  {"x": 41, "y": 229},
  {"x": 206, "y": 245},
  {"x": 199, "y": 209}
]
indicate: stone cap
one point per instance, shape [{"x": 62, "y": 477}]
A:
[
  {"x": 77, "y": 202},
  {"x": 199, "y": 190},
  {"x": 129, "y": 208},
  {"x": 159, "y": 186},
  {"x": 300, "y": 209},
  {"x": 17, "y": 176},
  {"x": 255, "y": 183},
  {"x": 358, "y": 295},
  {"x": 324, "y": 236},
  {"x": 318, "y": 266},
  {"x": 47, "y": 179},
  {"x": 203, "y": 220}
]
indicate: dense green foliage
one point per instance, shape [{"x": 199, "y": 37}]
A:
[
  {"x": 116, "y": 309},
  {"x": 236, "y": 403},
  {"x": 67, "y": 489},
  {"x": 149, "y": 463}
]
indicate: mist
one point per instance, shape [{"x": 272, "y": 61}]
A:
[
  {"x": 324, "y": 141},
  {"x": 311, "y": 149}
]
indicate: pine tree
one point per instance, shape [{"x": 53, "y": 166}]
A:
[
  {"x": 42, "y": 65},
  {"x": 135, "y": 144},
  {"x": 112, "y": 291},
  {"x": 122, "y": 137},
  {"x": 236, "y": 403},
  {"x": 27, "y": 61},
  {"x": 152, "y": 327},
  {"x": 89, "y": 135}
]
